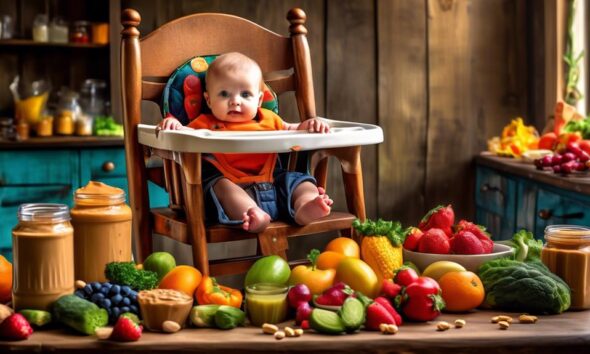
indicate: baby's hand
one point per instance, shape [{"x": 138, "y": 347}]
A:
[
  {"x": 314, "y": 125},
  {"x": 169, "y": 123}
]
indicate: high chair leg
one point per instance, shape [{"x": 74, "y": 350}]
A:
[{"x": 270, "y": 243}]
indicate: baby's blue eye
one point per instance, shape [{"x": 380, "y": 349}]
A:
[
  {"x": 224, "y": 93},
  {"x": 246, "y": 94}
]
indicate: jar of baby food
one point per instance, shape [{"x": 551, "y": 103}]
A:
[
  {"x": 102, "y": 230},
  {"x": 43, "y": 247},
  {"x": 567, "y": 254},
  {"x": 266, "y": 303}
]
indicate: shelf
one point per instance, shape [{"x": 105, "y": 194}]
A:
[
  {"x": 56, "y": 142},
  {"x": 31, "y": 43}
]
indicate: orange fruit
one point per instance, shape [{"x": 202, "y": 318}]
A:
[
  {"x": 329, "y": 260},
  {"x": 5, "y": 280},
  {"x": 182, "y": 278},
  {"x": 462, "y": 291},
  {"x": 199, "y": 65},
  {"x": 345, "y": 246}
]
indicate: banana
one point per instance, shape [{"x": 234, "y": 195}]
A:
[{"x": 437, "y": 269}]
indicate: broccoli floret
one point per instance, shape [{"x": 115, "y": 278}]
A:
[
  {"x": 526, "y": 248},
  {"x": 125, "y": 273}
]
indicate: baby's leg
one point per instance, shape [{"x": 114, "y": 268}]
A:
[
  {"x": 239, "y": 205},
  {"x": 310, "y": 203}
]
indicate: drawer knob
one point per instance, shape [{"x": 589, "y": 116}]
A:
[
  {"x": 108, "y": 166},
  {"x": 488, "y": 188}
]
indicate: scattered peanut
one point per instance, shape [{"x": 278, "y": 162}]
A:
[
  {"x": 5, "y": 311},
  {"x": 460, "y": 323},
  {"x": 388, "y": 328},
  {"x": 524, "y": 318},
  {"x": 279, "y": 335},
  {"x": 442, "y": 326},
  {"x": 269, "y": 328},
  {"x": 504, "y": 324},
  {"x": 298, "y": 332},
  {"x": 80, "y": 284},
  {"x": 499, "y": 318},
  {"x": 103, "y": 332},
  {"x": 289, "y": 332},
  {"x": 170, "y": 326}
]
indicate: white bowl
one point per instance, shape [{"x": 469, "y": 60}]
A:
[
  {"x": 471, "y": 262},
  {"x": 530, "y": 156}
]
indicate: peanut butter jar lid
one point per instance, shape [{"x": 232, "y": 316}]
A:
[
  {"x": 44, "y": 212},
  {"x": 567, "y": 233},
  {"x": 98, "y": 193}
]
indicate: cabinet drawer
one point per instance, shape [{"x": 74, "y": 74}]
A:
[
  {"x": 554, "y": 209},
  {"x": 495, "y": 192},
  {"x": 103, "y": 163},
  {"x": 38, "y": 167}
]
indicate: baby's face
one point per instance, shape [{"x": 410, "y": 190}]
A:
[{"x": 234, "y": 96}]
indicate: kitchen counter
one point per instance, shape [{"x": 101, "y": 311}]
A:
[{"x": 565, "y": 333}]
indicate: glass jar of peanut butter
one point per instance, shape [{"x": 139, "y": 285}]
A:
[
  {"x": 43, "y": 247},
  {"x": 102, "y": 229},
  {"x": 567, "y": 254}
]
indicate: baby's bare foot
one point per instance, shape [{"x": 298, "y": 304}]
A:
[
  {"x": 313, "y": 210},
  {"x": 255, "y": 220}
]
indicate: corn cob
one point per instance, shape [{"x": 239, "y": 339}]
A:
[{"x": 381, "y": 255}]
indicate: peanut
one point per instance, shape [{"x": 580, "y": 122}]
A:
[
  {"x": 504, "y": 324},
  {"x": 289, "y": 332},
  {"x": 80, "y": 284},
  {"x": 5, "y": 311},
  {"x": 388, "y": 328},
  {"x": 269, "y": 328},
  {"x": 103, "y": 332},
  {"x": 499, "y": 318},
  {"x": 298, "y": 332},
  {"x": 279, "y": 335},
  {"x": 442, "y": 326},
  {"x": 524, "y": 318},
  {"x": 170, "y": 326},
  {"x": 459, "y": 323}
]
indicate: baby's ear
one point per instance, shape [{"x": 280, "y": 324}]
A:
[{"x": 207, "y": 98}]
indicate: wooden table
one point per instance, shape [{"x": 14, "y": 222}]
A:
[{"x": 566, "y": 333}]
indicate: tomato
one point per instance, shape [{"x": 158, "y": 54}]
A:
[
  {"x": 359, "y": 276},
  {"x": 548, "y": 141},
  {"x": 422, "y": 300},
  {"x": 585, "y": 145},
  {"x": 345, "y": 246},
  {"x": 269, "y": 269}
]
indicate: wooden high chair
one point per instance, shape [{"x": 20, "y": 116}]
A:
[{"x": 145, "y": 66}]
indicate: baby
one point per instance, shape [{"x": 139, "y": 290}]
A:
[{"x": 250, "y": 188}]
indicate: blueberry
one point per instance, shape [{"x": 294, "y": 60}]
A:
[
  {"x": 96, "y": 285},
  {"x": 134, "y": 309},
  {"x": 97, "y": 297},
  {"x": 88, "y": 289},
  {"x": 107, "y": 285},
  {"x": 116, "y": 299},
  {"x": 105, "y": 303},
  {"x": 80, "y": 293},
  {"x": 115, "y": 311},
  {"x": 126, "y": 301},
  {"x": 104, "y": 290},
  {"x": 115, "y": 289},
  {"x": 125, "y": 290},
  {"x": 124, "y": 309}
]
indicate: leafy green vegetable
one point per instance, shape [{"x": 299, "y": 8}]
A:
[
  {"x": 526, "y": 248},
  {"x": 391, "y": 229},
  {"x": 523, "y": 287},
  {"x": 106, "y": 126},
  {"x": 582, "y": 126},
  {"x": 125, "y": 273}
]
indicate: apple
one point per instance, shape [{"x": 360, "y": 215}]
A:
[{"x": 298, "y": 295}]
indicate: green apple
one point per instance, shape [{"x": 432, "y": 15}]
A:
[
  {"x": 160, "y": 262},
  {"x": 269, "y": 269}
]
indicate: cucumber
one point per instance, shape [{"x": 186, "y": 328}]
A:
[
  {"x": 228, "y": 317},
  {"x": 81, "y": 315},
  {"x": 352, "y": 314},
  {"x": 204, "y": 315},
  {"x": 325, "y": 321},
  {"x": 36, "y": 317}
]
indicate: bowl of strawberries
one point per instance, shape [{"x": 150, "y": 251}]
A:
[{"x": 439, "y": 238}]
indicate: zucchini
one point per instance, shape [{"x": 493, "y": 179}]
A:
[
  {"x": 352, "y": 314},
  {"x": 228, "y": 317},
  {"x": 79, "y": 314},
  {"x": 325, "y": 321},
  {"x": 36, "y": 317},
  {"x": 204, "y": 315}
]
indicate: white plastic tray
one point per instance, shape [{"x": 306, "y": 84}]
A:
[{"x": 206, "y": 141}]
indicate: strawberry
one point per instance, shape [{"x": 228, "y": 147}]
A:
[
  {"x": 441, "y": 217},
  {"x": 465, "y": 242},
  {"x": 126, "y": 330},
  {"x": 479, "y": 231},
  {"x": 15, "y": 327},
  {"x": 193, "y": 96},
  {"x": 376, "y": 315},
  {"x": 385, "y": 303},
  {"x": 405, "y": 276},
  {"x": 413, "y": 239},
  {"x": 434, "y": 241},
  {"x": 335, "y": 295},
  {"x": 305, "y": 324},
  {"x": 389, "y": 289}
]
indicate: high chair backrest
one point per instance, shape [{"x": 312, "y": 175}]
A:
[{"x": 147, "y": 63}]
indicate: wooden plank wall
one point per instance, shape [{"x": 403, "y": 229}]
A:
[{"x": 439, "y": 76}]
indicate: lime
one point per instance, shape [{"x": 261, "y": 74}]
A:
[{"x": 160, "y": 262}]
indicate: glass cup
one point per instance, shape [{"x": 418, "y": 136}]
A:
[{"x": 266, "y": 303}]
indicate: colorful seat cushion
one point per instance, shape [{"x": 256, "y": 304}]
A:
[{"x": 183, "y": 95}]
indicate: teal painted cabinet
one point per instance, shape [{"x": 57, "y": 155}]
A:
[
  {"x": 508, "y": 202},
  {"x": 52, "y": 175}
]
